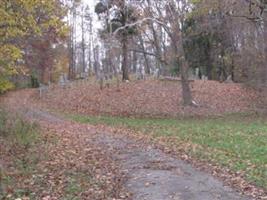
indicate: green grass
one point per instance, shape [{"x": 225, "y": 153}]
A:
[
  {"x": 238, "y": 142},
  {"x": 76, "y": 184},
  {"x": 17, "y": 130},
  {"x": 18, "y": 141}
]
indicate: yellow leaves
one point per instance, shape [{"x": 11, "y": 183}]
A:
[
  {"x": 9, "y": 52},
  {"x": 195, "y": 1},
  {"x": 24, "y": 17},
  {"x": 8, "y": 55},
  {"x": 20, "y": 19},
  {"x": 5, "y": 85},
  {"x": 203, "y": 7}
]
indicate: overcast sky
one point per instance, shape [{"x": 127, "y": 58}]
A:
[
  {"x": 91, "y": 3},
  {"x": 96, "y": 22}
]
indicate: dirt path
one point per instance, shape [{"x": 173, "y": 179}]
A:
[{"x": 152, "y": 174}]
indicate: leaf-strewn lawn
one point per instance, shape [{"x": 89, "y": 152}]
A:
[{"x": 238, "y": 142}]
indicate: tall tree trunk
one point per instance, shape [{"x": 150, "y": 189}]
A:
[
  {"x": 178, "y": 47},
  {"x": 70, "y": 48},
  {"x": 73, "y": 44},
  {"x": 70, "y": 51},
  {"x": 157, "y": 44},
  {"x": 90, "y": 48},
  {"x": 265, "y": 41},
  {"x": 187, "y": 96},
  {"x": 124, "y": 67},
  {"x": 89, "y": 61},
  {"x": 134, "y": 62},
  {"x": 147, "y": 66},
  {"x": 96, "y": 61},
  {"x": 265, "y": 55},
  {"x": 83, "y": 46}
]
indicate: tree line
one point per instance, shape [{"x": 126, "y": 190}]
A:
[
  {"x": 28, "y": 30},
  {"x": 212, "y": 39}
]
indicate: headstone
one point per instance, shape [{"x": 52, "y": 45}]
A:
[
  {"x": 156, "y": 73},
  {"x": 203, "y": 77},
  {"x": 42, "y": 90},
  {"x": 197, "y": 73},
  {"x": 143, "y": 72},
  {"x": 61, "y": 80},
  {"x": 83, "y": 75},
  {"x": 229, "y": 79}
]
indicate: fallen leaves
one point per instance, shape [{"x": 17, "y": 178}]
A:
[
  {"x": 75, "y": 167},
  {"x": 152, "y": 98},
  {"x": 69, "y": 165}
]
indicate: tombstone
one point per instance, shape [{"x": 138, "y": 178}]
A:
[
  {"x": 43, "y": 89},
  {"x": 65, "y": 77},
  {"x": 203, "y": 77},
  {"x": 101, "y": 79},
  {"x": 63, "y": 80},
  {"x": 143, "y": 72},
  {"x": 197, "y": 73},
  {"x": 83, "y": 75},
  {"x": 229, "y": 79},
  {"x": 139, "y": 75},
  {"x": 156, "y": 73}
]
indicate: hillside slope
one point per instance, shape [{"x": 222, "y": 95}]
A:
[{"x": 151, "y": 98}]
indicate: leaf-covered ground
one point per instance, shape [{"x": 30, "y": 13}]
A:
[
  {"x": 61, "y": 163},
  {"x": 71, "y": 165},
  {"x": 151, "y": 98}
]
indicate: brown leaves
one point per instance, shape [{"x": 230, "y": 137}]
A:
[
  {"x": 152, "y": 98},
  {"x": 79, "y": 168},
  {"x": 69, "y": 165}
]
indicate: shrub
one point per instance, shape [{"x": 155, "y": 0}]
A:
[
  {"x": 34, "y": 81},
  {"x": 5, "y": 85},
  {"x": 17, "y": 130}
]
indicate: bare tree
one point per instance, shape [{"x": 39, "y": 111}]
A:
[{"x": 83, "y": 41}]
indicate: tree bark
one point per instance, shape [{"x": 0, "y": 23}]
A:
[
  {"x": 96, "y": 61},
  {"x": 83, "y": 46},
  {"x": 177, "y": 41},
  {"x": 187, "y": 96},
  {"x": 147, "y": 66},
  {"x": 135, "y": 62},
  {"x": 265, "y": 41},
  {"x": 124, "y": 67}
]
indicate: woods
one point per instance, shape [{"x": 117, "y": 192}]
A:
[{"x": 211, "y": 40}]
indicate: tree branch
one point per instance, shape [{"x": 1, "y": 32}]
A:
[
  {"x": 150, "y": 54},
  {"x": 139, "y": 22}
]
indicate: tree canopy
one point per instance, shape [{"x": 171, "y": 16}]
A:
[{"x": 21, "y": 20}]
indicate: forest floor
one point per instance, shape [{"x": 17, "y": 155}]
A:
[{"x": 89, "y": 157}]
